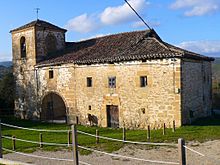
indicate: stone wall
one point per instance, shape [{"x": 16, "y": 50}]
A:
[
  {"x": 196, "y": 93},
  {"x": 155, "y": 104},
  {"x": 23, "y": 70},
  {"x": 48, "y": 41},
  {"x": 27, "y": 100},
  {"x": 63, "y": 84}
]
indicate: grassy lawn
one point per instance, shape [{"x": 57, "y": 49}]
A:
[{"x": 202, "y": 130}]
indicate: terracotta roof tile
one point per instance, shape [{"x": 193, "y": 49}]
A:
[{"x": 138, "y": 45}]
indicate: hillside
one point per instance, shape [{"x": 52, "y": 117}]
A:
[
  {"x": 4, "y": 70},
  {"x": 5, "y": 67},
  {"x": 6, "y": 63}
]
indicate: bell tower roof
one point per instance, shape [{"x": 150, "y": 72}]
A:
[{"x": 39, "y": 23}]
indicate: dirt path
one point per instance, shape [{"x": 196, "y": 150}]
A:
[{"x": 210, "y": 148}]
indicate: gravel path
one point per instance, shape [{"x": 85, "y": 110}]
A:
[{"x": 210, "y": 148}]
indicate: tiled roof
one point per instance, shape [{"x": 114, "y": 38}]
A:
[
  {"x": 138, "y": 45},
  {"x": 39, "y": 23}
]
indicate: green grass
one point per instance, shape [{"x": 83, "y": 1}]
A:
[{"x": 202, "y": 130}]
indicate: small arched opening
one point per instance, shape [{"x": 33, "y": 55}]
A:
[
  {"x": 23, "y": 47},
  {"x": 53, "y": 107}
]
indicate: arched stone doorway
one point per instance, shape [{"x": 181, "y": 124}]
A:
[{"x": 53, "y": 107}]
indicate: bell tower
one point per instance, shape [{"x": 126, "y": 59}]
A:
[{"x": 31, "y": 44}]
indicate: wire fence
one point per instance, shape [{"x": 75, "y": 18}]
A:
[
  {"x": 127, "y": 141},
  {"x": 203, "y": 155},
  {"x": 43, "y": 157},
  {"x": 35, "y": 142},
  {"x": 181, "y": 146},
  {"x": 32, "y": 129},
  {"x": 127, "y": 157},
  {"x": 85, "y": 148},
  {"x": 92, "y": 135}
]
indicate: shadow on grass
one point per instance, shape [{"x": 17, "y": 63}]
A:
[{"x": 208, "y": 121}]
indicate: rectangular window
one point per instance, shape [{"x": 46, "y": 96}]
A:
[
  {"x": 143, "y": 81},
  {"x": 112, "y": 82},
  {"x": 50, "y": 74},
  {"x": 89, "y": 81}
]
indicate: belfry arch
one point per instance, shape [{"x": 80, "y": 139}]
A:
[{"x": 53, "y": 107}]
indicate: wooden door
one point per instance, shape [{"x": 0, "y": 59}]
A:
[
  {"x": 49, "y": 115},
  {"x": 112, "y": 116}
]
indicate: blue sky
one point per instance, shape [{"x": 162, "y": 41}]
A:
[{"x": 190, "y": 24}]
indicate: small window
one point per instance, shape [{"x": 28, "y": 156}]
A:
[
  {"x": 143, "y": 110},
  {"x": 143, "y": 81},
  {"x": 50, "y": 74},
  {"x": 90, "y": 107},
  {"x": 112, "y": 82},
  {"x": 89, "y": 81},
  {"x": 23, "y": 47}
]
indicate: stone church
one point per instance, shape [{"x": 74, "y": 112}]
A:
[{"x": 130, "y": 79}]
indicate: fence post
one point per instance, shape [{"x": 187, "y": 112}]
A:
[
  {"x": 164, "y": 128},
  {"x": 13, "y": 143},
  {"x": 41, "y": 140},
  {"x": 148, "y": 132},
  {"x": 97, "y": 136},
  {"x": 124, "y": 134},
  {"x": 0, "y": 140},
  {"x": 69, "y": 137},
  {"x": 75, "y": 145},
  {"x": 174, "y": 126},
  {"x": 181, "y": 151}
]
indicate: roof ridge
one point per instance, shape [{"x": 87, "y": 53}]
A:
[
  {"x": 110, "y": 35},
  {"x": 35, "y": 23}
]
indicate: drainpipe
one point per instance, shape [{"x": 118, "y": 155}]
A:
[
  {"x": 37, "y": 89},
  {"x": 174, "y": 77}
]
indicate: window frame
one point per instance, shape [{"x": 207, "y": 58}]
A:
[{"x": 112, "y": 81}]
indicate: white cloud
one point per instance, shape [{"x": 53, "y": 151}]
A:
[
  {"x": 110, "y": 16},
  {"x": 139, "y": 24},
  {"x": 83, "y": 23},
  {"x": 203, "y": 47},
  {"x": 196, "y": 7},
  {"x": 123, "y": 13}
]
